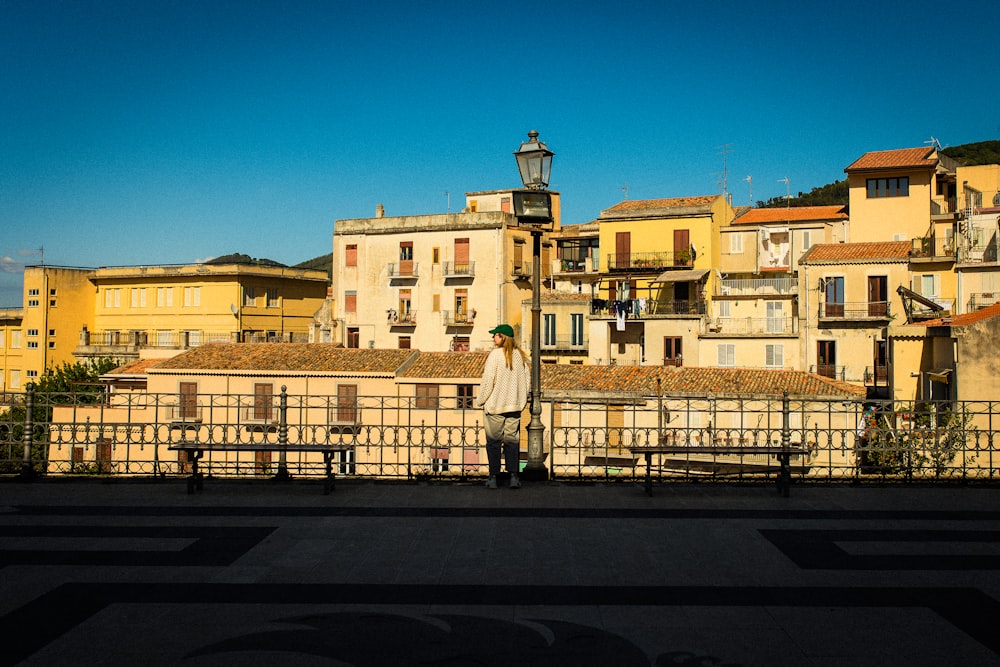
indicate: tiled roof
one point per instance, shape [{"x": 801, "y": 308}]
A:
[
  {"x": 135, "y": 368},
  {"x": 444, "y": 365},
  {"x": 675, "y": 202},
  {"x": 693, "y": 381},
  {"x": 903, "y": 158},
  {"x": 757, "y": 216},
  {"x": 858, "y": 252},
  {"x": 562, "y": 297},
  {"x": 295, "y": 357},
  {"x": 963, "y": 319}
]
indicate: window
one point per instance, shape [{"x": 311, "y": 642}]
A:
[
  {"x": 32, "y": 344},
  {"x": 404, "y": 342},
  {"x": 672, "y": 355},
  {"x": 187, "y": 408},
  {"x": 427, "y": 396},
  {"x": 15, "y": 378},
  {"x": 736, "y": 244},
  {"x": 161, "y": 297},
  {"x": 724, "y": 308},
  {"x": 138, "y": 297},
  {"x": 435, "y": 303},
  {"x": 350, "y": 301},
  {"x": 52, "y": 345},
  {"x": 727, "y": 355},
  {"x": 888, "y": 187},
  {"x": 192, "y": 296},
  {"x": 576, "y": 329},
  {"x": 806, "y": 239},
  {"x": 834, "y": 301},
  {"x": 32, "y": 375},
  {"x": 32, "y": 333},
  {"x": 33, "y": 303},
  {"x": 775, "y": 316},
  {"x": 435, "y": 255},
  {"x": 249, "y": 296},
  {"x": 272, "y": 297},
  {"x": 465, "y": 400},
  {"x": 262, "y": 401},
  {"x": 774, "y": 355},
  {"x": 112, "y": 298},
  {"x": 461, "y": 305},
  {"x": 346, "y": 411},
  {"x": 15, "y": 338},
  {"x": 351, "y": 254},
  {"x": 353, "y": 337},
  {"x": 505, "y": 204},
  {"x": 927, "y": 284},
  {"x": 405, "y": 303},
  {"x": 549, "y": 329},
  {"x": 460, "y": 344},
  {"x": 826, "y": 358},
  {"x": 405, "y": 250},
  {"x": 33, "y": 292}
]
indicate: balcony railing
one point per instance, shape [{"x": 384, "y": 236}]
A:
[
  {"x": 591, "y": 265},
  {"x": 877, "y": 375},
  {"x": 403, "y": 269},
  {"x": 406, "y": 319},
  {"x": 758, "y": 286},
  {"x": 754, "y": 326},
  {"x": 979, "y": 300},
  {"x": 453, "y": 270},
  {"x": 859, "y": 310},
  {"x": 168, "y": 339},
  {"x": 568, "y": 343},
  {"x": 521, "y": 270},
  {"x": 932, "y": 247},
  {"x": 458, "y": 319},
  {"x": 640, "y": 308},
  {"x": 978, "y": 254},
  {"x": 829, "y": 371},
  {"x": 649, "y": 261}
]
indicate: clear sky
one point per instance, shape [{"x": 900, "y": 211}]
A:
[{"x": 174, "y": 131}]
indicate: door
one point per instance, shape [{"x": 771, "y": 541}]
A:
[
  {"x": 462, "y": 256},
  {"x": 672, "y": 355},
  {"x": 188, "y": 401},
  {"x": 826, "y": 358},
  {"x": 878, "y": 296},
  {"x": 834, "y": 302},
  {"x": 623, "y": 250},
  {"x": 682, "y": 247}
]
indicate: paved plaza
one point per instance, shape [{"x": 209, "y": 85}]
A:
[{"x": 700, "y": 574}]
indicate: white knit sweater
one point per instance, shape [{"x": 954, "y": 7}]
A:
[{"x": 503, "y": 389}]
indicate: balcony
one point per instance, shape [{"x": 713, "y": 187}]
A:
[
  {"x": 406, "y": 319},
  {"x": 759, "y": 287},
  {"x": 754, "y": 326},
  {"x": 101, "y": 343},
  {"x": 861, "y": 310},
  {"x": 979, "y": 300},
  {"x": 564, "y": 344},
  {"x": 877, "y": 375},
  {"x": 403, "y": 270},
  {"x": 978, "y": 254},
  {"x": 520, "y": 270},
  {"x": 591, "y": 265},
  {"x": 649, "y": 261},
  {"x": 458, "y": 319},
  {"x": 829, "y": 371},
  {"x": 932, "y": 248},
  {"x": 633, "y": 308},
  {"x": 454, "y": 270}
]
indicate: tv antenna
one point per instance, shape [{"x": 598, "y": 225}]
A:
[
  {"x": 749, "y": 179},
  {"x": 934, "y": 142},
  {"x": 624, "y": 189},
  {"x": 447, "y": 194},
  {"x": 788, "y": 187},
  {"x": 725, "y": 167}
]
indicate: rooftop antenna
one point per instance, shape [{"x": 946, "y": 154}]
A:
[
  {"x": 41, "y": 251},
  {"x": 448, "y": 195},
  {"x": 725, "y": 168},
  {"x": 934, "y": 142},
  {"x": 624, "y": 188},
  {"x": 749, "y": 179},
  {"x": 788, "y": 187}
]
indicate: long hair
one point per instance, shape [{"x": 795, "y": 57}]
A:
[{"x": 509, "y": 345}]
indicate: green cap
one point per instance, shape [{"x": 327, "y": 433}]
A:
[{"x": 504, "y": 329}]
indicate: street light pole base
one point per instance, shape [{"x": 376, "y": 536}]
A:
[{"x": 535, "y": 473}]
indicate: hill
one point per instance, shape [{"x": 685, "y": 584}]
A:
[
  {"x": 970, "y": 155},
  {"x": 321, "y": 263}
]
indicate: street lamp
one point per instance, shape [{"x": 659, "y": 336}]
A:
[{"x": 533, "y": 209}]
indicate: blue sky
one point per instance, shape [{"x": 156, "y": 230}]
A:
[{"x": 173, "y": 131}]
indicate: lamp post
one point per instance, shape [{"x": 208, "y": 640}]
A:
[{"x": 533, "y": 209}]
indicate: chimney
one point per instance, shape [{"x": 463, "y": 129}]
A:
[{"x": 379, "y": 211}]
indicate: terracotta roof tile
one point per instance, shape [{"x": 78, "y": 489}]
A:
[
  {"x": 674, "y": 202},
  {"x": 444, "y": 365},
  {"x": 963, "y": 319},
  {"x": 759, "y": 216},
  {"x": 903, "y": 158},
  {"x": 295, "y": 357},
  {"x": 858, "y": 252},
  {"x": 135, "y": 368}
]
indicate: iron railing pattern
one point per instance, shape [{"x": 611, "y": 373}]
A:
[{"x": 129, "y": 434}]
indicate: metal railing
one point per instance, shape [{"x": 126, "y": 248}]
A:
[
  {"x": 752, "y": 326},
  {"x": 979, "y": 300},
  {"x": 757, "y": 286},
  {"x": 649, "y": 261},
  {"x": 932, "y": 247},
  {"x": 458, "y": 319},
  {"x": 403, "y": 269},
  {"x": 453, "y": 270},
  {"x": 395, "y": 437},
  {"x": 856, "y": 310}
]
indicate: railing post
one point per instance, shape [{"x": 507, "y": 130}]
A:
[
  {"x": 27, "y": 471},
  {"x": 282, "y": 474}
]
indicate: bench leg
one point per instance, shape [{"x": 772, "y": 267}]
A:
[
  {"x": 649, "y": 474},
  {"x": 784, "y": 476}
]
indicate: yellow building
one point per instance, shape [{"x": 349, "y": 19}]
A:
[
  {"x": 171, "y": 308},
  {"x": 979, "y": 237},
  {"x": 656, "y": 279},
  {"x": 11, "y": 349}
]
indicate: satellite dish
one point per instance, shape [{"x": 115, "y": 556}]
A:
[{"x": 233, "y": 308}]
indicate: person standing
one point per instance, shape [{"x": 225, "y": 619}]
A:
[{"x": 503, "y": 393}]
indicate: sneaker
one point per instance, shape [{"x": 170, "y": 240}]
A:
[
  {"x": 491, "y": 483},
  {"x": 515, "y": 482}
]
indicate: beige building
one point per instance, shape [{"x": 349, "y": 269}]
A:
[
  {"x": 846, "y": 304},
  {"x": 11, "y": 349},
  {"x": 433, "y": 282},
  {"x": 978, "y": 265}
]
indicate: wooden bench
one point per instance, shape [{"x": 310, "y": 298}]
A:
[
  {"x": 196, "y": 450},
  {"x": 783, "y": 454}
]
